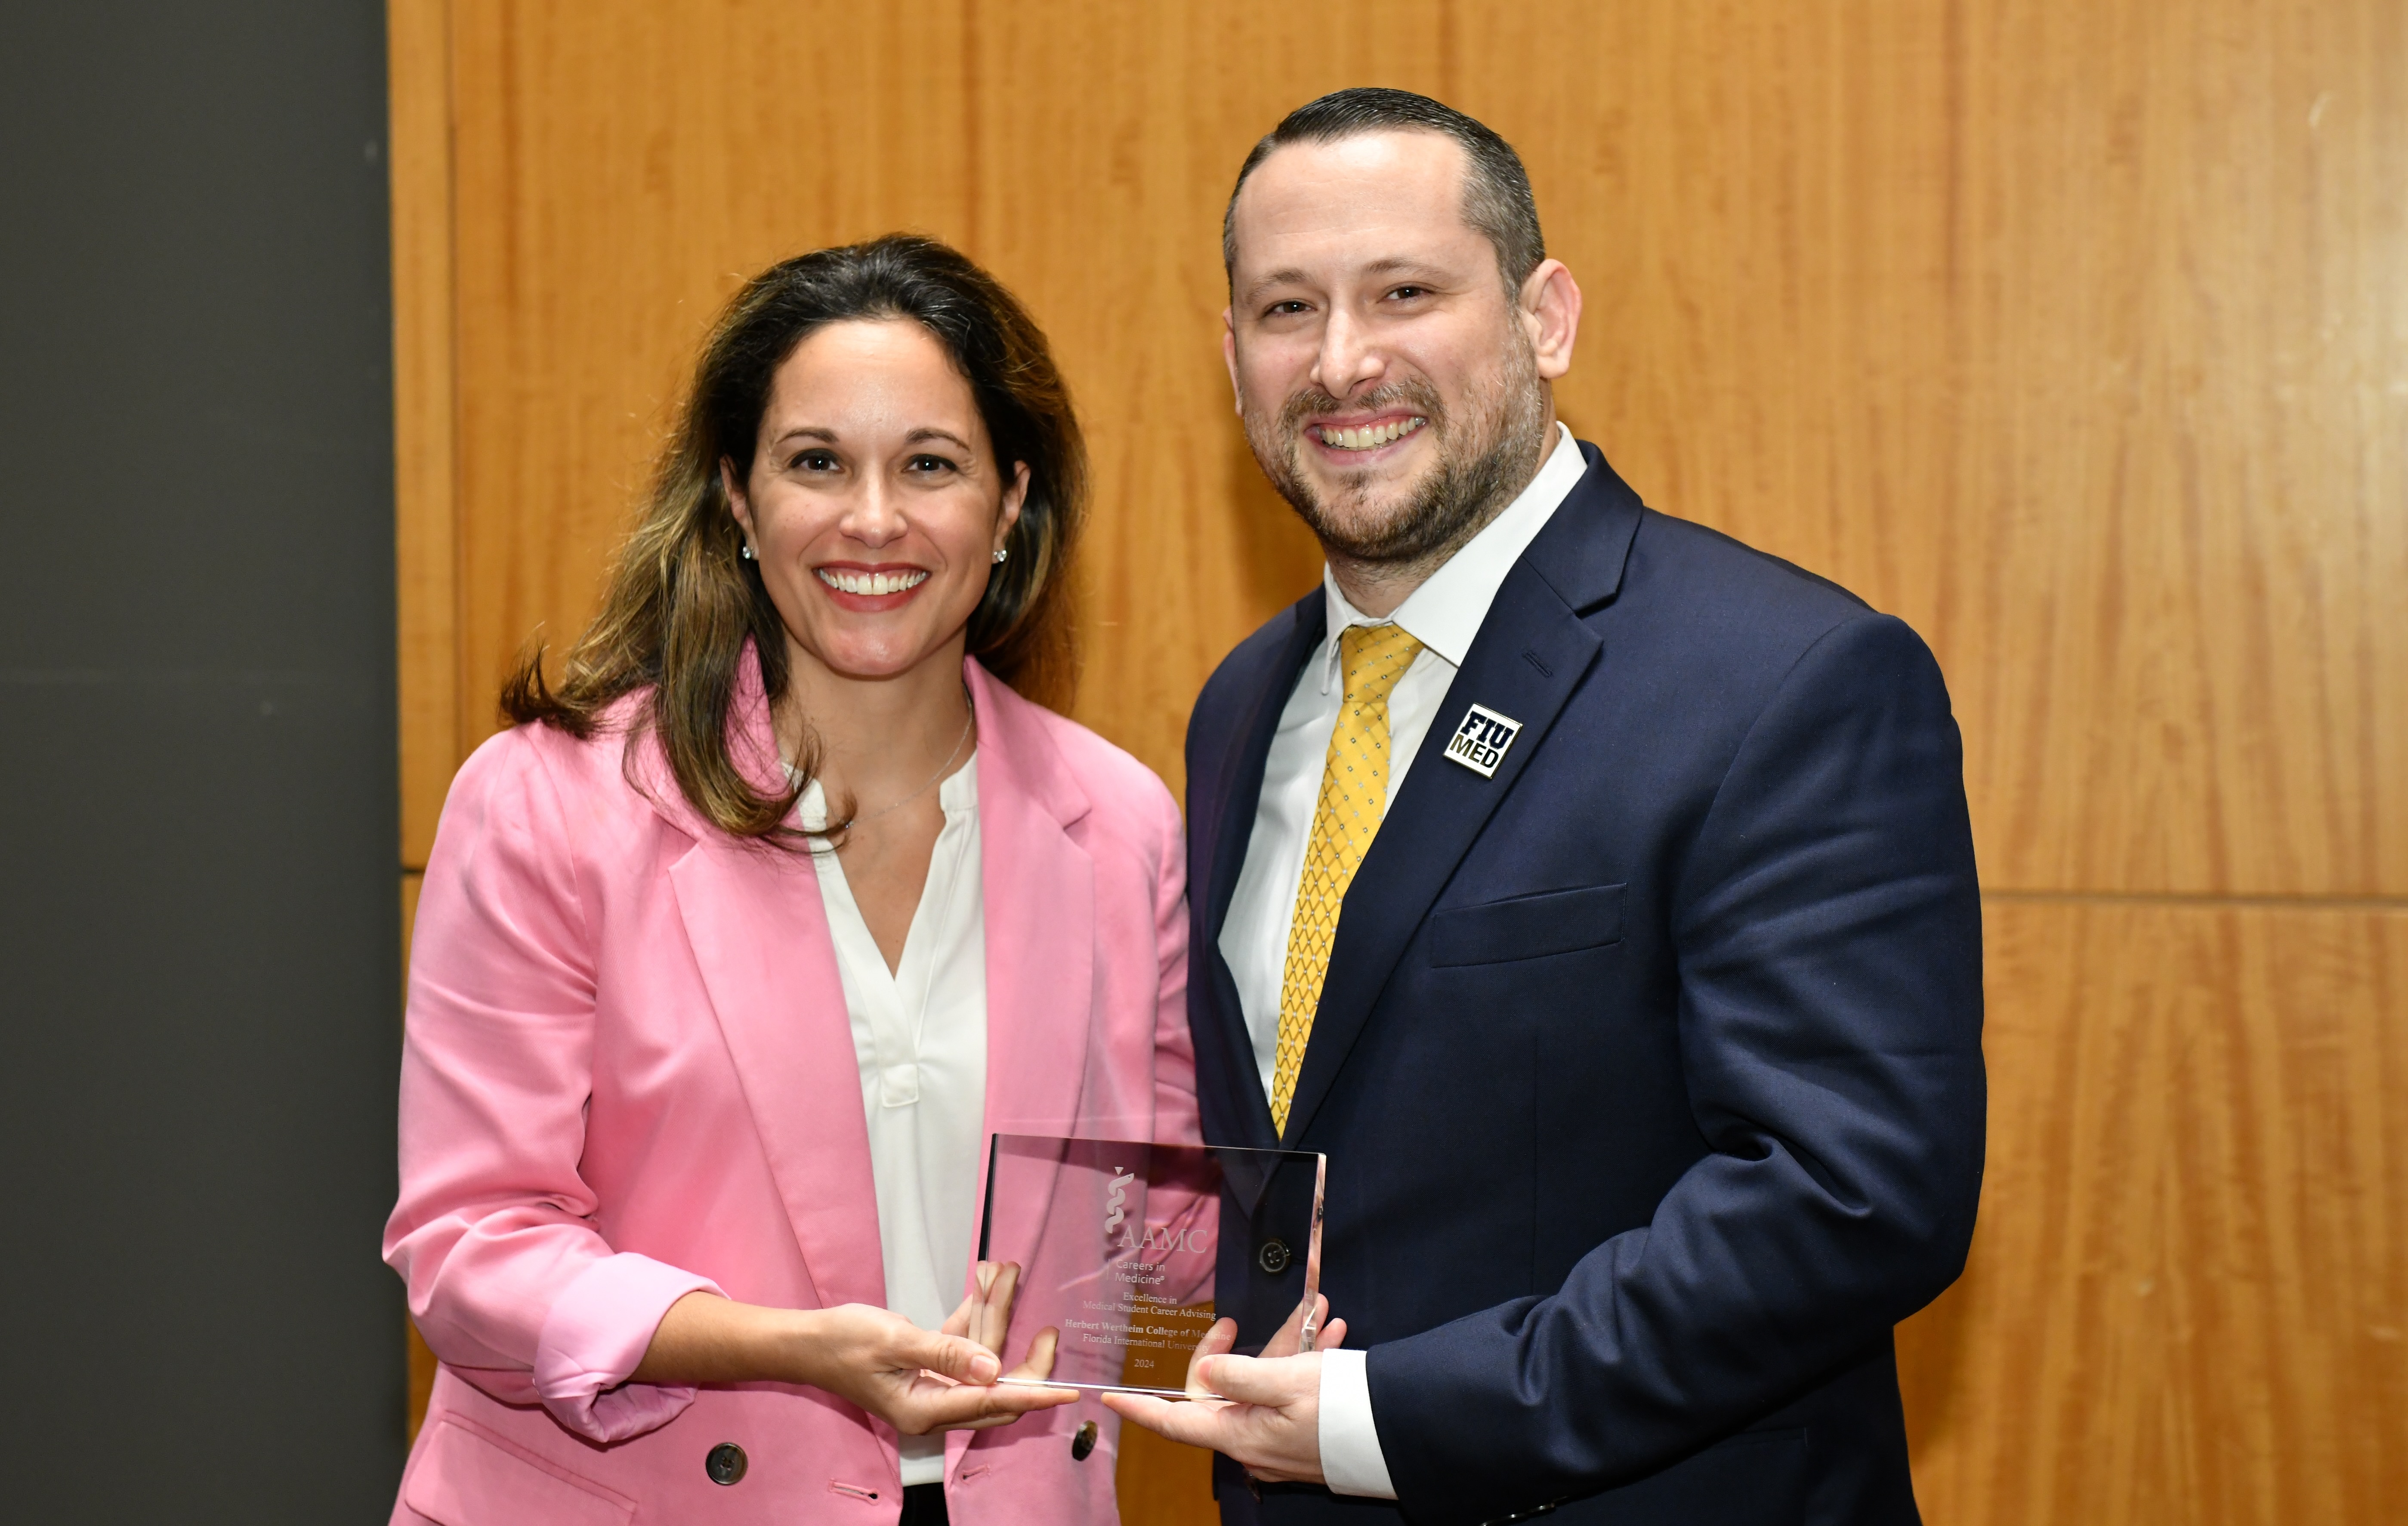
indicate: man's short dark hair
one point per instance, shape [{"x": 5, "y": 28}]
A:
[{"x": 1497, "y": 197}]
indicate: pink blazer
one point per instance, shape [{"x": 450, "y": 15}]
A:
[{"x": 629, "y": 1073}]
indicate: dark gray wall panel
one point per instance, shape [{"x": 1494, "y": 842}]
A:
[{"x": 198, "y": 924}]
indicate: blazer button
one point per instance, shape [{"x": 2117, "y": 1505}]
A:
[
  {"x": 726, "y": 1464},
  {"x": 1082, "y": 1443},
  {"x": 1273, "y": 1257}
]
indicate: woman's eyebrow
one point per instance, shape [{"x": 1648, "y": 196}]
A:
[
  {"x": 807, "y": 431},
  {"x": 929, "y": 432}
]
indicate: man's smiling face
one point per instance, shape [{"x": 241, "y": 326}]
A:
[{"x": 1384, "y": 371}]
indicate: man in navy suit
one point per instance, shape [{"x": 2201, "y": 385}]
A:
[{"x": 1594, "y": 891}]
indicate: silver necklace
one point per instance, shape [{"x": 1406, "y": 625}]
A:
[{"x": 969, "y": 718}]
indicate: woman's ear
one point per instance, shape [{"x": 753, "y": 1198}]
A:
[
  {"x": 1014, "y": 494},
  {"x": 736, "y": 504}
]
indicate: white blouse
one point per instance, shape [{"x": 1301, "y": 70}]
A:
[{"x": 919, "y": 1032}]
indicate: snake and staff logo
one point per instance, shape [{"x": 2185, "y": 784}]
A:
[
  {"x": 1157, "y": 1239},
  {"x": 1116, "y": 1201}
]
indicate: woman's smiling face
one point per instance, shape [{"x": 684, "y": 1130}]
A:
[{"x": 874, "y": 502}]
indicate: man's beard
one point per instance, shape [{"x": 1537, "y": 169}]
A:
[{"x": 1484, "y": 456}]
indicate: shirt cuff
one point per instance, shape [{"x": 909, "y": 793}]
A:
[
  {"x": 597, "y": 1333},
  {"x": 1350, "y": 1460}
]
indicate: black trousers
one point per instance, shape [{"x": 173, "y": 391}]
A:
[{"x": 924, "y": 1505}]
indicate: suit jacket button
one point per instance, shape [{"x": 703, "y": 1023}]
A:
[
  {"x": 1082, "y": 1443},
  {"x": 1273, "y": 1257},
  {"x": 726, "y": 1464}
]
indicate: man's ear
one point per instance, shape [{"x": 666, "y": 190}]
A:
[
  {"x": 1229, "y": 358},
  {"x": 1550, "y": 310}
]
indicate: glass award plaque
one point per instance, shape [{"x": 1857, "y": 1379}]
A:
[{"x": 1121, "y": 1251}]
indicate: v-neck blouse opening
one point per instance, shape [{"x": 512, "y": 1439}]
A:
[{"x": 918, "y": 1036}]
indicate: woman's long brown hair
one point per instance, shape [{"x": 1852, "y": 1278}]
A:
[{"x": 681, "y": 601}]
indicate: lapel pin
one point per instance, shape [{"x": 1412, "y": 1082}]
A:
[{"x": 1480, "y": 743}]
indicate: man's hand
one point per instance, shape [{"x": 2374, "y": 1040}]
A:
[{"x": 1263, "y": 1411}]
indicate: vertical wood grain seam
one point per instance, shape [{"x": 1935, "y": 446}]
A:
[
  {"x": 454, "y": 481},
  {"x": 425, "y": 410},
  {"x": 418, "y": 83}
]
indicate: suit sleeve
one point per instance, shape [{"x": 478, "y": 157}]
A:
[
  {"x": 508, "y": 1279},
  {"x": 1826, "y": 929}
]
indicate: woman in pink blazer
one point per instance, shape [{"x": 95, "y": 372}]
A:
[{"x": 733, "y": 952}]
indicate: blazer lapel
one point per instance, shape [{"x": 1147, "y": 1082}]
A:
[
  {"x": 1531, "y": 653},
  {"x": 1039, "y": 893},
  {"x": 760, "y": 934},
  {"x": 1250, "y": 745}
]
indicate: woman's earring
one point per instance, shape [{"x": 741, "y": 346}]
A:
[
  {"x": 1000, "y": 553},
  {"x": 748, "y": 550}
]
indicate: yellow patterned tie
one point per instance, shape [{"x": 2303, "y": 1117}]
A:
[{"x": 1353, "y": 798}]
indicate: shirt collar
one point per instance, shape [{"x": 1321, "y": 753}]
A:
[{"x": 1447, "y": 611}]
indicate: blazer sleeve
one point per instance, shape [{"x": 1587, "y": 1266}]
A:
[
  {"x": 1827, "y": 929},
  {"x": 1175, "y": 1119},
  {"x": 494, "y": 1234},
  {"x": 1175, "y": 1115}
]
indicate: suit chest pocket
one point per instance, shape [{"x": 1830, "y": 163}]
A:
[{"x": 1527, "y": 926}]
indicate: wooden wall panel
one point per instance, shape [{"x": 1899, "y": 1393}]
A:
[
  {"x": 2189, "y": 1296},
  {"x": 2074, "y": 333},
  {"x": 2060, "y": 329},
  {"x": 621, "y": 167},
  {"x": 2071, "y": 333},
  {"x": 1162, "y": 1483}
]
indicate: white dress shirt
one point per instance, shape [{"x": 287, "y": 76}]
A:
[
  {"x": 919, "y": 1032},
  {"x": 1444, "y": 614}
]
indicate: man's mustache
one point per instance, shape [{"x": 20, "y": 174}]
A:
[{"x": 1418, "y": 396}]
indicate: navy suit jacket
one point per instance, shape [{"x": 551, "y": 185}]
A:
[{"x": 1649, "y": 1069}]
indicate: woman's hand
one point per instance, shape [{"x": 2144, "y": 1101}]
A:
[
  {"x": 916, "y": 1380},
  {"x": 985, "y": 1316},
  {"x": 920, "y": 1380}
]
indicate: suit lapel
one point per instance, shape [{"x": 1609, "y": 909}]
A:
[
  {"x": 1248, "y": 745},
  {"x": 760, "y": 934},
  {"x": 1040, "y": 893},
  {"x": 1532, "y": 652},
  {"x": 1249, "y": 751}
]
